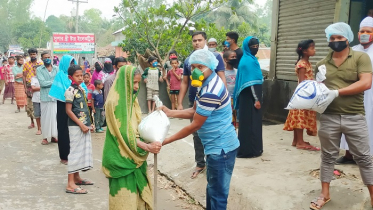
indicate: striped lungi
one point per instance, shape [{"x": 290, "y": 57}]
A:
[
  {"x": 19, "y": 91},
  {"x": 9, "y": 90},
  {"x": 80, "y": 157}
]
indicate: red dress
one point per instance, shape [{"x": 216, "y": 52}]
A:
[{"x": 302, "y": 119}]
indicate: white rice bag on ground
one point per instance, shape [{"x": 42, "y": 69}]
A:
[
  {"x": 311, "y": 95},
  {"x": 155, "y": 126}
]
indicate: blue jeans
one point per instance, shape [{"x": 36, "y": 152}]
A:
[{"x": 219, "y": 174}]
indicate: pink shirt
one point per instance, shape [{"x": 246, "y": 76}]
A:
[{"x": 174, "y": 82}]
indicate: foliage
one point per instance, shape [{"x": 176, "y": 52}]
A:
[
  {"x": 162, "y": 28},
  {"x": 56, "y": 24},
  {"x": 28, "y": 33}
]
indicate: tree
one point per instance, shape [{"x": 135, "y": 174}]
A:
[
  {"x": 28, "y": 33},
  {"x": 56, "y": 24},
  {"x": 162, "y": 28},
  {"x": 233, "y": 13}
]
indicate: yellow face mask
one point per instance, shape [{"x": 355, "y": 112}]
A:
[{"x": 197, "y": 77}]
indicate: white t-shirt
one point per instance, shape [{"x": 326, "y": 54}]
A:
[
  {"x": 35, "y": 95},
  {"x": 230, "y": 77}
]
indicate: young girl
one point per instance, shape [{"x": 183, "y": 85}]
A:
[
  {"x": 79, "y": 123},
  {"x": 174, "y": 81},
  {"x": 298, "y": 120}
]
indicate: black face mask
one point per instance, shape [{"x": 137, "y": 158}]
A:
[
  {"x": 232, "y": 62},
  {"x": 33, "y": 59},
  {"x": 254, "y": 51},
  {"x": 338, "y": 46}
]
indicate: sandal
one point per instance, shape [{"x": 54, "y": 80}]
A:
[
  {"x": 44, "y": 142},
  {"x": 53, "y": 140},
  {"x": 31, "y": 126},
  {"x": 318, "y": 203},
  {"x": 294, "y": 145},
  {"x": 196, "y": 172},
  {"x": 64, "y": 162},
  {"x": 39, "y": 132},
  {"x": 84, "y": 182},
  {"x": 77, "y": 191},
  {"x": 309, "y": 147}
]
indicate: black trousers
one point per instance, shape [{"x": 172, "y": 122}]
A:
[
  {"x": 198, "y": 147},
  {"x": 250, "y": 127},
  {"x": 63, "y": 131}
]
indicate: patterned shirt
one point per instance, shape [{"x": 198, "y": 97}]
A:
[
  {"x": 76, "y": 96},
  {"x": 46, "y": 79},
  {"x": 28, "y": 67},
  {"x": 9, "y": 77},
  {"x": 213, "y": 102}
]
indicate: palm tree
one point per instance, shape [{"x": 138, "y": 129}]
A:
[{"x": 233, "y": 14}]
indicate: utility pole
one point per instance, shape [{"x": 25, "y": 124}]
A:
[{"x": 77, "y": 13}]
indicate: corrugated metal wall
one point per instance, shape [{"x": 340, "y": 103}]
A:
[{"x": 299, "y": 20}]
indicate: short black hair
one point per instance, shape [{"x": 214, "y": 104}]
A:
[
  {"x": 19, "y": 57},
  {"x": 199, "y": 33},
  {"x": 32, "y": 50},
  {"x": 174, "y": 59},
  {"x": 119, "y": 59},
  {"x": 83, "y": 58},
  {"x": 73, "y": 68},
  {"x": 85, "y": 74},
  {"x": 11, "y": 57},
  {"x": 97, "y": 82},
  {"x": 44, "y": 53},
  {"x": 4, "y": 60},
  {"x": 151, "y": 59},
  {"x": 172, "y": 52},
  {"x": 233, "y": 35},
  {"x": 227, "y": 53}
]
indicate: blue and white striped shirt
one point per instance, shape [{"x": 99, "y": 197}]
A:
[{"x": 213, "y": 101}]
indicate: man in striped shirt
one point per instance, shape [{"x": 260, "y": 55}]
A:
[{"x": 212, "y": 118}]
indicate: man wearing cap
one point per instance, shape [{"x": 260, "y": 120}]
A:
[
  {"x": 213, "y": 44},
  {"x": 348, "y": 75},
  {"x": 366, "y": 45}
]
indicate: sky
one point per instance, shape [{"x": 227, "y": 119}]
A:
[
  {"x": 59, "y": 7},
  {"x": 64, "y": 7}
]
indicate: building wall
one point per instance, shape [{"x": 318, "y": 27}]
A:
[{"x": 119, "y": 52}]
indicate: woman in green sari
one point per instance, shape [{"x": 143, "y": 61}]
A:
[{"x": 124, "y": 156}]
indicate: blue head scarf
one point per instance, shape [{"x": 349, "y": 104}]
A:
[
  {"x": 61, "y": 81},
  {"x": 248, "y": 73}
]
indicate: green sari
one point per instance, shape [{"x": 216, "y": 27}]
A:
[{"x": 123, "y": 163}]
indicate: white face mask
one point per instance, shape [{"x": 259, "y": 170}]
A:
[
  {"x": 365, "y": 38},
  {"x": 212, "y": 49}
]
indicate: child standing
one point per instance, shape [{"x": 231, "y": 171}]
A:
[
  {"x": 173, "y": 80},
  {"x": 19, "y": 86},
  {"x": 91, "y": 88},
  {"x": 79, "y": 123},
  {"x": 151, "y": 77},
  {"x": 298, "y": 120},
  {"x": 230, "y": 59},
  {"x": 35, "y": 86},
  {"x": 98, "y": 106}
]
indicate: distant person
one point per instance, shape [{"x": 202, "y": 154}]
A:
[
  {"x": 48, "y": 106},
  {"x": 9, "y": 79},
  {"x": 151, "y": 76},
  {"x": 167, "y": 65},
  {"x": 108, "y": 69},
  {"x": 370, "y": 12},
  {"x": 19, "y": 86},
  {"x": 118, "y": 63},
  {"x": 298, "y": 120},
  {"x": 97, "y": 73},
  {"x": 86, "y": 64},
  {"x": 225, "y": 45},
  {"x": 248, "y": 99},
  {"x": 91, "y": 88},
  {"x": 2, "y": 76},
  {"x": 56, "y": 60},
  {"x": 212, "y": 44},
  {"x": 173, "y": 81},
  {"x": 232, "y": 39},
  {"x": 98, "y": 106},
  {"x": 35, "y": 85},
  {"x": 80, "y": 127},
  {"x": 29, "y": 72}
]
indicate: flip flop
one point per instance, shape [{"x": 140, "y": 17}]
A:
[
  {"x": 64, "y": 162},
  {"x": 84, "y": 182},
  {"x": 31, "y": 126},
  {"x": 77, "y": 191},
  {"x": 315, "y": 205},
  {"x": 38, "y": 132},
  {"x": 54, "y": 140},
  {"x": 196, "y": 172},
  {"x": 44, "y": 142}
]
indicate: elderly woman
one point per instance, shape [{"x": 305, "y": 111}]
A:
[
  {"x": 212, "y": 119},
  {"x": 124, "y": 156},
  {"x": 248, "y": 99}
]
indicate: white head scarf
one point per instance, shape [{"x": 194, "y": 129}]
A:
[{"x": 367, "y": 22}]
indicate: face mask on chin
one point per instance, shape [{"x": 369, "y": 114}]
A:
[{"x": 338, "y": 46}]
